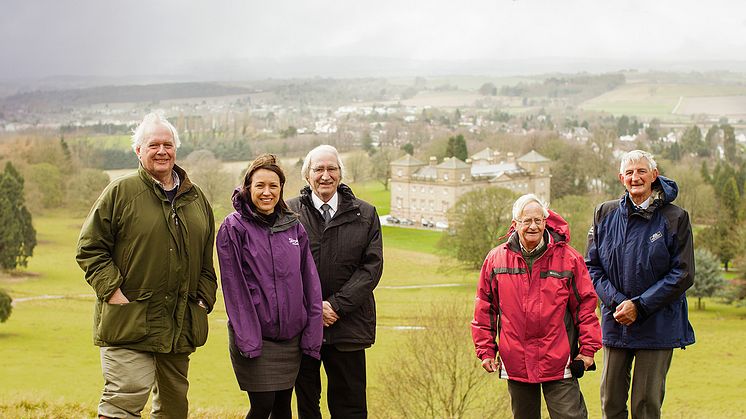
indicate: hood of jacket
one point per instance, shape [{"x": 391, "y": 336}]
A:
[
  {"x": 665, "y": 191},
  {"x": 557, "y": 231}
]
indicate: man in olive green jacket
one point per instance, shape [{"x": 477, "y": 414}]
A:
[{"x": 146, "y": 249}]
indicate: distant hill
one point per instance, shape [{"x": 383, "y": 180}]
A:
[{"x": 52, "y": 99}]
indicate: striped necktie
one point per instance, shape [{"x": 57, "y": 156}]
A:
[{"x": 326, "y": 214}]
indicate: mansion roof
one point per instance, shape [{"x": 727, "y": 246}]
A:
[{"x": 486, "y": 165}]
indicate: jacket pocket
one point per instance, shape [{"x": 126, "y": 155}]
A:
[
  {"x": 199, "y": 328},
  {"x": 124, "y": 323}
]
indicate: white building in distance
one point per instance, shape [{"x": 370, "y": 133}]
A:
[{"x": 426, "y": 191}]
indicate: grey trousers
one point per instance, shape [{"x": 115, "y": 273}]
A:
[
  {"x": 563, "y": 398},
  {"x": 129, "y": 377},
  {"x": 648, "y": 382}
]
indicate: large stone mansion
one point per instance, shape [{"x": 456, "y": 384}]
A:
[{"x": 426, "y": 191}]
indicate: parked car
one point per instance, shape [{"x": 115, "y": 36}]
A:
[
  {"x": 427, "y": 223},
  {"x": 406, "y": 221},
  {"x": 442, "y": 225},
  {"x": 391, "y": 219}
]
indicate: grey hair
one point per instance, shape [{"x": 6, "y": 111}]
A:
[
  {"x": 323, "y": 148},
  {"x": 636, "y": 156},
  {"x": 521, "y": 203},
  {"x": 151, "y": 119}
]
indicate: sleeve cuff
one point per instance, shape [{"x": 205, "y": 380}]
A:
[
  {"x": 333, "y": 302},
  {"x": 638, "y": 305}
]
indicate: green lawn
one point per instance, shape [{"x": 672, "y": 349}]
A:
[
  {"x": 373, "y": 193},
  {"x": 50, "y": 367}
]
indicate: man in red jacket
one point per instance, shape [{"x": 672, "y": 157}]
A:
[{"x": 535, "y": 298}]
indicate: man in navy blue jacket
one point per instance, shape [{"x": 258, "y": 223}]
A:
[{"x": 641, "y": 260}]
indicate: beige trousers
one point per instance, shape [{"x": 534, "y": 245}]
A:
[{"x": 130, "y": 375}]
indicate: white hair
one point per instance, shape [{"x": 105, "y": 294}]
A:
[
  {"x": 152, "y": 119},
  {"x": 323, "y": 148},
  {"x": 521, "y": 203},
  {"x": 637, "y": 156}
]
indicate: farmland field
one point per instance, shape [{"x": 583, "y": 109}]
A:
[{"x": 650, "y": 100}]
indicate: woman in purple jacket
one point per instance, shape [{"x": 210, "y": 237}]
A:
[{"x": 271, "y": 288}]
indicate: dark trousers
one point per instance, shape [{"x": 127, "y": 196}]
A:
[
  {"x": 274, "y": 403},
  {"x": 648, "y": 382},
  {"x": 563, "y": 397},
  {"x": 345, "y": 394}
]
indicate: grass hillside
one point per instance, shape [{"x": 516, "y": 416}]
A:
[
  {"x": 653, "y": 100},
  {"x": 50, "y": 367}
]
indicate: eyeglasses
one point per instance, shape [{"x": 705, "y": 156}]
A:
[
  {"x": 528, "y": 221},
  {"x": 319, "y": 170}
]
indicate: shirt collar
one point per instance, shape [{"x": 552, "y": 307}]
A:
[
  {"x": 175, "y": 177},
  {"x": 645, "y": 204},
  {"x": 529, "y": 252},
  {"x": 333, "y": 202}
]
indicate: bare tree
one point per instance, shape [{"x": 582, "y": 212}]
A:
[
  {"x": 206, "y": 171},
  {"x": 381, "y": 165},
  {"x": 357, "y": 166},
  {"x": 436, "y": 374}
]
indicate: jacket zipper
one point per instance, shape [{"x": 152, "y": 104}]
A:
[
  {"x": 274, "y": 281},
  {"x": 174, "y": 216}
]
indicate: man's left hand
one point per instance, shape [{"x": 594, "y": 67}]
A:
[
  {"x": 626, "y": 313},
  {"x": 587, "y": 360}
]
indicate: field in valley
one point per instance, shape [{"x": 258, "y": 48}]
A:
[{"x": 652, "y": 100}]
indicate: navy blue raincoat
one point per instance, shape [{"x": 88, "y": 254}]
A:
[{"x": 645, "y": 256}]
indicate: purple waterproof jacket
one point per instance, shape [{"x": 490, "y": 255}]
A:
[{"x": 269, "y": 280}]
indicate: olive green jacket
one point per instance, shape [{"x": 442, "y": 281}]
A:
[{"x": 159, "y": 255}]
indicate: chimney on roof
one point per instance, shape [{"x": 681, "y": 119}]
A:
[
  {"x": 433, "y": 161},
  {"x": 511, "y": 157}
]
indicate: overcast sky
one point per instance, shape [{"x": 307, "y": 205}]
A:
[{"x": 137, "y": 37}]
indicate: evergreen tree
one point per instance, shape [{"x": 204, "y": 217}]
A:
[
  {"x": 708, "y": 279},
  {"x": 691, "y": 141},
  {"x": 6, "y": 306},
  {"x": 17, "y": 234},
  {"x": 729, "y": 144},
  {"x": 653, "y": 130},
  {"x": 622, "y": 126},
  {"x": 705, "y": 172},
  {"x": 367, "y": 143},
  {"x": 408, "y": 148},
  {"x": 723, "y": 239},
  {"x": 711, "y": 139},
  {"x": 457, "y": 148}
]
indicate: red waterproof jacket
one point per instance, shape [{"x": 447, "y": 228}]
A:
[{"x": 544, "y": 317}]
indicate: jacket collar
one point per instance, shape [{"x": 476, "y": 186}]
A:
[
  {"x": 184, "y": 186},
  {"x": 347, "y": 200},
  {"x": 557, "y": 231},
  {"x": 665, "y": 191}
]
